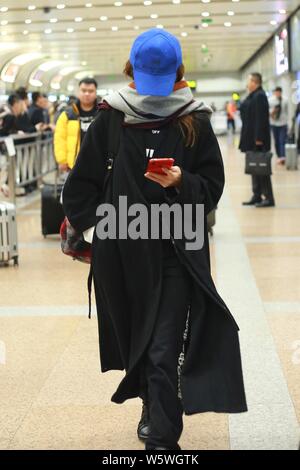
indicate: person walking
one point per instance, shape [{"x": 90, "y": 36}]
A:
[
  {"x": 156, "y": 299},
  {"x": 231, "y": 113},
  {"x": 255, "y": 135},
  {"x": 279, "y": 122}
]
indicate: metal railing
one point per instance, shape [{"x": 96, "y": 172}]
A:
[{"x": 25, "y": 159}]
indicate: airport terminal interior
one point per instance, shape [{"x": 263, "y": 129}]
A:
[{"x": 52, "y": 393}]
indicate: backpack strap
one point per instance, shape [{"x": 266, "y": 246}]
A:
[
  {"x": 72, "y": 115},
  {"x": 114, "y": 132}
]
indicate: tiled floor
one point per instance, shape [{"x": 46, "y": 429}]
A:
[{"x": 52, "y": 394}]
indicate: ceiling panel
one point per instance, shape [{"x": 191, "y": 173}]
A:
[{"x": 92, "y": 44}]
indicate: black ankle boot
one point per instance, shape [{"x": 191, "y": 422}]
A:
[{"x": 143, "y": 426}]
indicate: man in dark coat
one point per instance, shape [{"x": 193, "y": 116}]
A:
[{"x": 255, "y": 135}]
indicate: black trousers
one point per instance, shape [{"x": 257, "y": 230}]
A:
[
  {"x": 262, "y": 186},
  {"x": 162, "y": 356}
]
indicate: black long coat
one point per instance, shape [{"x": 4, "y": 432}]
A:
[
  {"x": 255, "y": 121},
  {"x": 127, "y": 273}
]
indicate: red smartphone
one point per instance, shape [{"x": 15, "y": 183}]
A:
[{"x": 155, "y": 164}]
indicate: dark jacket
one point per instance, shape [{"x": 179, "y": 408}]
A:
[
  {"x": 128, "y": 276},
  {"x": 255, "y": 120},
  {"x": 38, "y": 115},
  {"x": 12, "y": 124}
]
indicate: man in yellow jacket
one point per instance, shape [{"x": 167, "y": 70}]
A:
[{"x": 73, "y": 123}]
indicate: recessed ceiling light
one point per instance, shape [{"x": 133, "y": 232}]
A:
[
  {"x": 4, "y": 22},
  {"x": 78, "y": 19},
  {"x": 114, "y": 28},
  {"x": 230, "y": 13},
  {"x": 84, "y": 63},
  {"x": 118, "y": 4},
  {"x": 203, "y": 46},
  {"x": 205, "y": 1},
  {"x": 60, "y": 6},
  {"x": 48, "y": 31},
  {"x": 136, "y": 27},
  {"x": 3, "y": 9},
  {"x": 184, "y": 34},
  {"x": 70, "y": 30},
  {"x": 273, "y": 22},
  {"x": 103, "y": 18},
  {"x": 128, "y": 17},
  {"x": 92, "y": 29},
  {"x": 28, "y": 21},
  {"x": 235, "y": 1},
  {"x": 53, "y": 20},
  {"x": 204, "y": 25},
  {"x": 227, "y": 24},
  {"x": 147, "y": 3},
  {"x": 154, "y": 16},
  {"x": 88, "y": 5},
  {"x": 160, "y": 26},
  {"x": 31, "y": 7},
  {"x": 282, "y": 11},
  {"x": 205, "y": 13},
  {"x": 176, "y": 1},
  {"x": 25, "y": 32}
]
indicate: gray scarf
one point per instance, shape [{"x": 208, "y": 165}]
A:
[{"x": 142, "y": 109}]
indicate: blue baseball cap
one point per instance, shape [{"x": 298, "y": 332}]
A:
[{"x": 155, "y": 57}]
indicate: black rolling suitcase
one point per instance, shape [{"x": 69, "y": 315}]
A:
[{"x": 52, "y": 210}]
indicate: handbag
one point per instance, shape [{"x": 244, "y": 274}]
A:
[
  {"x": 258, "y": 163},
  {"x": 72, "y": 242}
]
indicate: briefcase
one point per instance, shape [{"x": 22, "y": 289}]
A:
[{"x": 258, "y": 163}]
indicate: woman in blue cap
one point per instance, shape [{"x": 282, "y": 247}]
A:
[{"x": 160, "y": 316}]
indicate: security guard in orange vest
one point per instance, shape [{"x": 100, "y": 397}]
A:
[{"x": 73, "y": 123}]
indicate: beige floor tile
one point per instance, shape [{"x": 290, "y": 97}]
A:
[
  {"x": 206, "y": 431},
  {"x": 272, "y": 251},
  {"x": 44, "y": 277},
  {"x": 33, "y": 346},
  {"x": 277, "y": 267},
  {"x": 4, "y": 443},
  {"x": 278, "y": 289},
  {"x": 79, "y": 427},
  {"x": 11, "y": 420},
  {"x": 109, "y": 427},
  {"x": 83, "y": 384},
  {"x": 268, "y": 222},
  {"x": 286, "y": 332}
]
